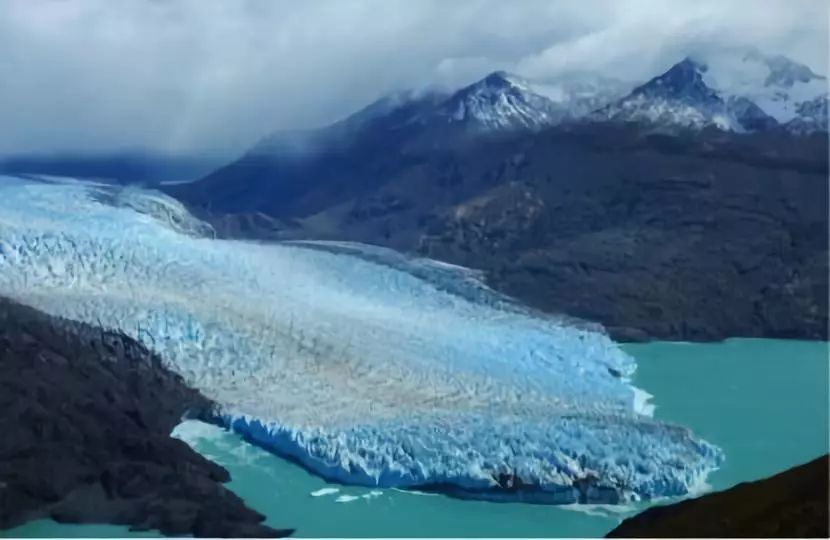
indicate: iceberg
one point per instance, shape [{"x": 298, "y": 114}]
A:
[{"x": 367, "y": 366}]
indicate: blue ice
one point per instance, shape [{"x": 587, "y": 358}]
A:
[{"x": 367, "y": 366}]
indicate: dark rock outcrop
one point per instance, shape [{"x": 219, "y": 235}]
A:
[
  {"x": 85, "y": 418},
  {"x": 791, "y": 504}
]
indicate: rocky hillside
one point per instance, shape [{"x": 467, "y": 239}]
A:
[
  {"x": 792, "y": 504},
  {"x": 86, "y": 417},
  {"x": 691, "y": 236},
  {"x": 679, "y": 210}
]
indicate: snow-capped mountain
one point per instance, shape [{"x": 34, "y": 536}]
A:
[
  {"x": 742, "y": 91},
  {"x": 678, "y": 97},
  {"x": 504, "y": 101},
  {"x": 747, "y": 92},
  {"x": 777, "y": 84},
  {"x": 500, "y": 101},
  {"x": 736, "y": 90}
]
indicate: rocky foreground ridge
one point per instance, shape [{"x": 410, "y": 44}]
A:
[
  {"x": 86, "y": 416},
  {"x": 791, "y": 504}
]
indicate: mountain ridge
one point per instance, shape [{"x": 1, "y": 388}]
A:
[{"x": 672, "y": 216}]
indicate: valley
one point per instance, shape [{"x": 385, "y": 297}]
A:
[{"x": 390, "y": 269}]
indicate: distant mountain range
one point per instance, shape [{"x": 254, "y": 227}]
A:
[
  {"x": 768, "y": 93},
  {"x": 639, "y": 206},
  {"x": 741, "y": 92}
]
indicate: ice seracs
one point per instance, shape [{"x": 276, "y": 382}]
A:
[{"x": 365, "y": 365}]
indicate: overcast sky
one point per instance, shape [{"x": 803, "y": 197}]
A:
[{"x": 211, "y": 75}]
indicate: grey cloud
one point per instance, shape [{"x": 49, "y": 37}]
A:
[{"x": 208, "y": 75}]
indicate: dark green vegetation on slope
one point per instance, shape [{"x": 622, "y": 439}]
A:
[
  {"x": 791, "y": 504},
  {"x": 85, "y": 417},
  {"x": 681, "y": 236}
]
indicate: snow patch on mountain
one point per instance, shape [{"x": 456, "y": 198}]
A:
[
  {"x": 500, "y": 101},
  {"x": 811, "y": 116},
  {"x": 735, "y": 91},
  {"x": 775, "y": 83},
  {"x": 503, "y": 101},
  {"x": 678, "y": 97}
]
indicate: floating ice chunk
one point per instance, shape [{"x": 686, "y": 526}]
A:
[
  {"x": 642, "y": 402},
  {"x": 193, "y": 431},
  {"x": 324, "y": 491},
  {"x": 367, "y": 366}
]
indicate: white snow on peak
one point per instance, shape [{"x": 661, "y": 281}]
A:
[
  {"x": 775, "y": 83},
  {"x": 669, "y": 112},
  {"x": 677, "y": 98},
  {"x": 506, "y": 101},
  {"x": 365, "y": 365},
  {"x": 736, "y": 90},
  {"x": 811, "y": 116},
  {"x": 500, "y": 101}
]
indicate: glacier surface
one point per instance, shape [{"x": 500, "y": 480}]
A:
[{"x": 366, "y": 366}]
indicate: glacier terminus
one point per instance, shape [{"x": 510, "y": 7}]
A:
[{"x": 367, "y": 366}]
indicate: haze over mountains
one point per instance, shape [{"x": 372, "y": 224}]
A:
[
  {"x": 738, "y": 92},
  {"x": 126, "y": 167}
]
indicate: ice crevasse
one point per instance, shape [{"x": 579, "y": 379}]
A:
[{"x": 367, "y": 366}]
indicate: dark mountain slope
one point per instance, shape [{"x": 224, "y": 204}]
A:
[
  {"x": 697, "y": 235},
  {"x": 85, "y": 417},
  {"x": 791, "y": 504},
  {"x": 296, "y": 173}
]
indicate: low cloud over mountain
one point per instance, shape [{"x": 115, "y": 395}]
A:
[{"x": 209, "y": 76}]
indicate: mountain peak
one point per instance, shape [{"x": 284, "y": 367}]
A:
[
  {"x": 776, "y": 83},
  {"x": 498, "y": 78},
  {"x": 684, "y": 81},
  {"x": 499, "y": 101},
  {"x": 678, "y": 97},
  {"x": 691, "y": 64},
  {"x": 498, "y": 81}
]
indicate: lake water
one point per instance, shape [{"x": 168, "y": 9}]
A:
[{"x": 764, "y": 402}]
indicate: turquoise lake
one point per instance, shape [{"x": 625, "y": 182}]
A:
[{"x": 764, "y": 402}]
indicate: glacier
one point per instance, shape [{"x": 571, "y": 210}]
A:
[{"x": 364, "y": 365}]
